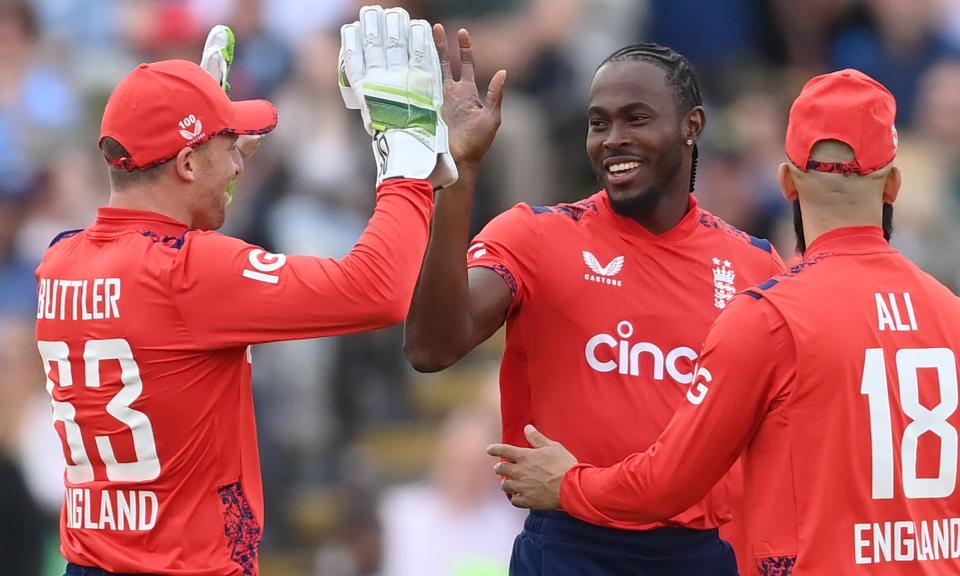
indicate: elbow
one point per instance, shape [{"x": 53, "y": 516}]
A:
[
  {"x": 392, "y": 305},
  {"x": 393, "y": 310},
  {"x": 426, "y": 360},
  {"x": 666, "y": 505}
]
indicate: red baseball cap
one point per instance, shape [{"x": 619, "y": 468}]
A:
[
  {"x": 848, "y": 106},
  {"x": 161, "y": 107}
]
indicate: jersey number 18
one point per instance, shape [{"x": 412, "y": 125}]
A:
[{"x": 923, "y": 420}]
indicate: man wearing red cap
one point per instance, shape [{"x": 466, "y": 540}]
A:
[
  {"x": 837, "y": 379},
  {"x": 145, "y": 319}
]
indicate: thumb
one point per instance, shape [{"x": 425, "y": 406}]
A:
[
  {"x": 535, "y": 437},
  {"x": 495, "y": 90}
]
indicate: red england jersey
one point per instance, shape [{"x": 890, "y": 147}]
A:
[
  {"x": 839, "y": 379},
  {"x": 145, "y": 329},
  {"x": 606, "y": 322}
]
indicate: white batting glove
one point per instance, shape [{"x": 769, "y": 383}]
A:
[{"x": 390, "y": 71}]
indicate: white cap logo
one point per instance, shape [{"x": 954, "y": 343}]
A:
[{"x": 186, "y": 123}]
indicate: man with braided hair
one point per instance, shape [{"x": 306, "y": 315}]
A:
[
  {"x": 605, "y": 300},
  {"x": 836, "y": 381}
]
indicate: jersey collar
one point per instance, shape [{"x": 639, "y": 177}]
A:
[
  {"x": 112, "y": 220},
  {"x": 686, "y": 226},
  {"x": 849, "y": 239}
]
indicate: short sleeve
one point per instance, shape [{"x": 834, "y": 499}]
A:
[{"x": 510, "y": 246}]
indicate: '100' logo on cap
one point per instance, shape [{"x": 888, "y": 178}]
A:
[{"x": 191, "y": 135}]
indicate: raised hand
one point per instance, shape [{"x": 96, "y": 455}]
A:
[
  {"x": 472, "y": 121},
  {"x": 389, "y": 70},
  {"x": 217, "y": 58}
]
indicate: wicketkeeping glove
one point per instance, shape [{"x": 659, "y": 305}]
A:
[
  {"x": 390, "y": 71},
  {"x": 217, "y": 58}
]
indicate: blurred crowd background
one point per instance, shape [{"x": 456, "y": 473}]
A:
[{"x": 370, "y": 468}]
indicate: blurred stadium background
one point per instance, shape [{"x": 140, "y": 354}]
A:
[{"x": 369, "y": 468}]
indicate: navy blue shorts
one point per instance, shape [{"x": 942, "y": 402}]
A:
[
  {"x": 557, "y": 544},
  {"x": 74, "y": 570}
]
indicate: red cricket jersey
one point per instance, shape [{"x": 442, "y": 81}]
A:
[
  {"x": 606, "y": 322},
  {"x": 144, "y": 328},
  {"x": 839, "y": 379}
]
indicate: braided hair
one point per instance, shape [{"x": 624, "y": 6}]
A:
[{"x": 680, "y": 77}]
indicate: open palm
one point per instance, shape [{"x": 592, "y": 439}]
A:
[{"x": 473, "y": 122}]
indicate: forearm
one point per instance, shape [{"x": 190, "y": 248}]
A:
[
  {"x": 634, "y": 490},
  {"x": 439, "y": 326},
  {"x": 381, "y": 270}
]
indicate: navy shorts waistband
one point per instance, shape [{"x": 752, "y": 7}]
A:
[
  {"x": 562, "y": 526},
  {"x": 77, "y": 570}
]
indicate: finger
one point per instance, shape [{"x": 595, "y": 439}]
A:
[
  {"x": 351, "y": 52},
  {"x": 396, "y": 30},
  {"x": 503, "y": 468},
  {"x": 494, "y": 98},
  {"x": 466, "y": 56},
  {"x": 510, "y": 486},
  {"x": 350, "y": 65},
  {"x": 535, "y": 437},
  {"x": 520, "y": 501},
  {"x": 505, "y": 451},
  {"x": 371, "y": 27},
  {"x": 422, "y": 50},
  {"x": 443, "y": 53}
]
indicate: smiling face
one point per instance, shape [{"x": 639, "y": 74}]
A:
[
  {"x": 220, "y": 165},
  {"x": 636, "y": 138}
]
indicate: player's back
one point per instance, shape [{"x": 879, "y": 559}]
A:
[
  {"x": 157, "y": 431},
  {"x": 856, "y": 471}
]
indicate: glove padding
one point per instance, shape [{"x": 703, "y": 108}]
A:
[
  {"x": 390, "y": 71},
  {"x": 217, "y": 58}
]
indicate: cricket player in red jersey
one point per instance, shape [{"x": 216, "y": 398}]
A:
[
  {"x": 145, "y": 319},
  {"x": 838, "y": 379},
  {"x": 606, "y": 303}
]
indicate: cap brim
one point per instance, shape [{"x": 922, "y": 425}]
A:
[{"x": 252, "y": 117}]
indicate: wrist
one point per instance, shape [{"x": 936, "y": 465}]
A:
[{"x": 468, "y": 168}]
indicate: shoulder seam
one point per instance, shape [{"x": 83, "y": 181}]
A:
[
  {"x": 64, "y": 235},
  {"x": 761, "y": 243},
  {"x": 714, "y": 222}
]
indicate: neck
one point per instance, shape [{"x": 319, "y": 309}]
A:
[
  {"x": 665, "y": 214},
  {"x": 672, "y": 205},
  {"x": 150, "y": 198},
  {"x": 818, "y": 220}
]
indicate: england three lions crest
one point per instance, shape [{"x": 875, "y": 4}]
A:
[{"x": 723, "y": 288}]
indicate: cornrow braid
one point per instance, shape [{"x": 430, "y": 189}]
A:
[{"x": 680, "y": 77}]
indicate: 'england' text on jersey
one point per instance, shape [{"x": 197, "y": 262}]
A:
[
  {"x": 113, "y": 510},
  {"x": 907, "y": 541},
  {"x": 96, "y": 299}
]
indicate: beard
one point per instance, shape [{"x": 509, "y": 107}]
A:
[
  {"x": 639, "y": 205},
  {"x": 643, "y": 201},
  {"x": 886, "y": 224}
]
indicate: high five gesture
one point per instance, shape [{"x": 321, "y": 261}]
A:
[{"x": 473, "y": 121}]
